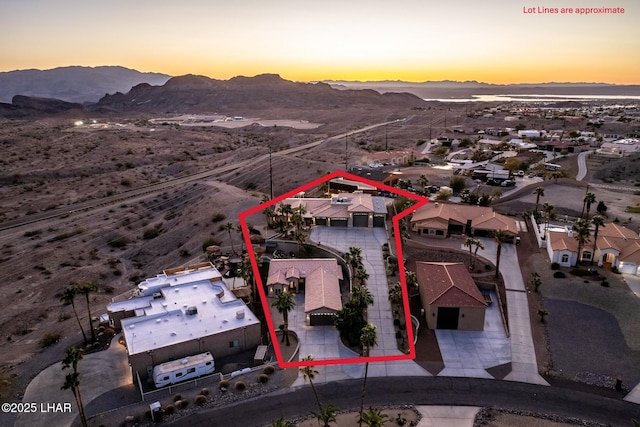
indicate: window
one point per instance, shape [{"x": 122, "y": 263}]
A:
[
  {"x": 191, "y": 370},
  {"x": 233, "y": 343},
  {"x": 178, "y": 374},
  {"x": 586, "y": 255},
  {"x": 565, "y": 258},
  {"x": 439, "y": 233}
]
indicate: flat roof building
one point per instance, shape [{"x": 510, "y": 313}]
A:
[{"x": 193, "y": 312}]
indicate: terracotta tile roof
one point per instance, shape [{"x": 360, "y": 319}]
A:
[
  {"x": 448, "y": 285},
  {"x": 482, "y": 218},
  {"x": 561, "y": 241},
  {"x": 322, "y": 276}
]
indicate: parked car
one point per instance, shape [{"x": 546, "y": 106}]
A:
[{"x": 507, "y": 183}]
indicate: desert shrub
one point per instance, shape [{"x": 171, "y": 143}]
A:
[
  {"x": 555, "y": 266},
  {"x": 200, "y": 400},
  {"x": 240, "y": 386},
  {"x": 559, "y": 275},
  {"x": 147, "y": 414},
  {"x": 580, "y": 272},
  {"x": 126, "y": 182},
  {"x": 217, "y": 217},
  {"x": 269, "y": 369},
  {"x": 210, "y": 241},
  {"x": 224, "y": 384},
  {"x": 150, "y": 233},
  {"x": 118, "y": 242},
  {"x": 263, "y": 378},
  {"x": 170, "y": 409},
  {"x": 177, "y": 397},
  {"x": 49, "y": 339},
  {"x": 184, "y": 252},
  {"x": 204, "y": 391},
  {"x": 183, "y": 403},
  {"x": 63, "y": 317},
  {"x": 604, "y": 283}
]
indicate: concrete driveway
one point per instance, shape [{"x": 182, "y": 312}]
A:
[{"x": 99, "y": 373}]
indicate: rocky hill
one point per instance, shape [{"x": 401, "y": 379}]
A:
[
  {"x": 243, "y": 95},
  {"x": 73, "y": 84}
]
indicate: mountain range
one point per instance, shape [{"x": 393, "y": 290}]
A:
[
  {"x": 73, "y": 84},
  {"x": 121, "y": 90}
]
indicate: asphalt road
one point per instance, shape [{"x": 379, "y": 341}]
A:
[{"x": 292, "y": 403}]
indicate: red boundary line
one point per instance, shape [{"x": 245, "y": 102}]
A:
[{"x": 420, "y": 201}]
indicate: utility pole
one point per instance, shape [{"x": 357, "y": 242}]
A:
[
  {"x": 346, "y": 151},
  {"x": 270, "y": 174},
  {"x": 386, "y": 138}
]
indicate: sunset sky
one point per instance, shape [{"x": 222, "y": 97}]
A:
[{"x": 414, "y": 40}]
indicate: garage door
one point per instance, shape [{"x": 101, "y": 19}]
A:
[
  {"x": 360, "y": 220},
  {"x": 378, "y": 220},
  {"x": 448, "y": 317},
  {"x": 629, "y": 268},
  {"x": 339, "y": 222},
  {"x": 321, "y": 221},
  {"x": 321, "y": 319}
]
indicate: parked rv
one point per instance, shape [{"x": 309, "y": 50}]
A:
[{"x": 183, "y": 369}]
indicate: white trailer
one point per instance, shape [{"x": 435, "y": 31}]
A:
[{"x": 183, "y": 369}]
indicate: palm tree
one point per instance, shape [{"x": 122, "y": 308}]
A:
[
  {"x": 500, "y": 237},
  {"x": 361, "y": 276},
  {"x": 72, "y": 380},
  {"x": 326, "y": 416},
  {"x": 269, "y": 212},
  {"x": 581, "y": 234},
  {"x": 85, "y": 290},
  {"x": 284, "y": 209},
  {"x": 588, "y": 200},
  {"x": 395, "y": 294},
  {"x": 368, "y": 339},
  {"x": 539, "y": 192},
  {"x": 478, "y": 244},
  {"x": 280, "y": 422},
  {"x": 229, "y": 227},
  {"x": 374, "y": 418},
  {"x": 547, "y": 207},
  {"x": 238, "y": 229},
  {"x": 362, "y": 297},
  {"x": 469, "y": 242},
  {"x": 284, "y": 303},
  {"x": 68, "y": 297},
  {"x": 309, "y": 372},
  {"x": 535, "y": 281},
  {"x": 353, "y": 258},
  {"x": 597, "y": 221},
  {"x": 423, "y": 181}
]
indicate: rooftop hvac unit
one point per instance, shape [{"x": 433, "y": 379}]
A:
[
  {"x": 192, "y": 311},
  {"x": 240, "y": 314}
]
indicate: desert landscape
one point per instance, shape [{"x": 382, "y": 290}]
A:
[{"x": 112, "y": 198}]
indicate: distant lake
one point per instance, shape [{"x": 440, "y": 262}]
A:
[{"x": 537, "y": 98}]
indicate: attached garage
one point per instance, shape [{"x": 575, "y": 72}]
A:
[
  {"x": 339, "y": 222},
  {"x": 321, "y": 221},
  {"x": 321, "y": 318},
  {"x": 360, "y": 219},
  {"x": 378, "y": 220}
]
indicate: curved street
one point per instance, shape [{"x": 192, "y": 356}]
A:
[{"x": 381, "y": 391}]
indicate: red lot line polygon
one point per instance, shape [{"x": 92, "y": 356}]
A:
[{"x": 420, "y": 201}]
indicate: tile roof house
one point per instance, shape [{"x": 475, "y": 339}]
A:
[
  {"x": 439, "y": 219},
  {"x": 343, "y": 210},
  {"x": 617, "y": 246},
  {"x": 450, "y": 297},
  {"x": 318, "y": 278}
]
